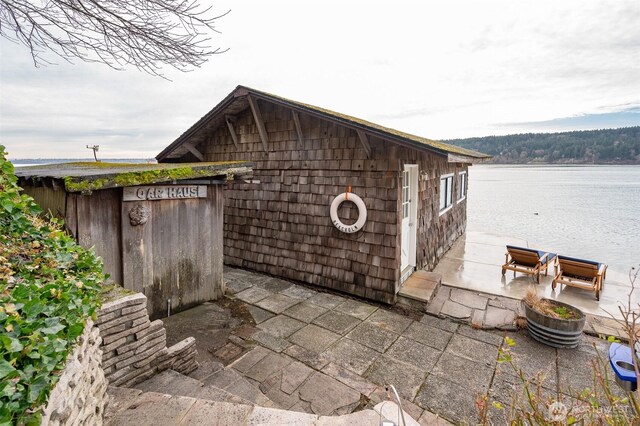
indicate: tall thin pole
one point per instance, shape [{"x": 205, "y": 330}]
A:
[{"x": 95, "y": 149}]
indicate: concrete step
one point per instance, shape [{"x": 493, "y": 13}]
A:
[
  {"x": 233, "y": 382},
  {"x": 134, "y": 407},
  {"x": 205, "y": 369},
  {"x": 420, "y": 286},
  {"x": 173, "y": 383}
]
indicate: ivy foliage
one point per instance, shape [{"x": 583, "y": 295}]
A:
[{"x": 49, "y": 286}]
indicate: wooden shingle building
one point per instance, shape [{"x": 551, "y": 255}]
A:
[{"x": 413, "y": 190}]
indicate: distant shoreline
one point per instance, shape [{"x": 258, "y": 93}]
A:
[{"x": 605, "y": 146}]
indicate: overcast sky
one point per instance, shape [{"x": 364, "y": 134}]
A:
[{"x": 441, "y": 70}]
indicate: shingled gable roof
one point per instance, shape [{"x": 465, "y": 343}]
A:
[{"x": 237, "y": 101}]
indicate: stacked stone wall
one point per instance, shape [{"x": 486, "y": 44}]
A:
[
  {"x": 135, "y": 348},
  {"x": 80, "y": 396}
]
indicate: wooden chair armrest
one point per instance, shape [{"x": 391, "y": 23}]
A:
[{"x": 602, "y": 269}]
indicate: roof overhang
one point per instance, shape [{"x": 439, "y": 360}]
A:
[
  {"x": 458, "y": 158},
  {"x": 86, "y": 176}
]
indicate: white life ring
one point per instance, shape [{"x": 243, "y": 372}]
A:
[{"x": 362, "y": 212}]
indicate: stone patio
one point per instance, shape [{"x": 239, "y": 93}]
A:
[
  {"x": 490, "y": 311},
  {"x": 475, "y": 260},
  {"x": 474, "y": 291},
  {"x": 327, "y": 354}
]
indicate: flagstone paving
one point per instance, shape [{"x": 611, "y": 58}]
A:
[{"x": 327, "y": 354}]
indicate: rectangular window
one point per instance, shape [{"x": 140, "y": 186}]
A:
[
  {"x": 405, "y": 194},
  {"x": 446, "y": 192},
  {"x": 462, "y": 186}
]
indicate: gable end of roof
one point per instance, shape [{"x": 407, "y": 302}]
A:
[{"x": 385, "y": 133}]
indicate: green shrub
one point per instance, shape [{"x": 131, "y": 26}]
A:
[{"x": 49, "y": 286}]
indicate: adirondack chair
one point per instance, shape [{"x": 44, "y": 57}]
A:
[
  {"x": 580, "y": 273},
  {"x": 526, "y": 260}
]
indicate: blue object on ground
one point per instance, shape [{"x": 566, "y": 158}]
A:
[{"x": 620, "y": 357}]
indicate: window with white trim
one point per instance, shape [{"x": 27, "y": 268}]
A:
[
  {"x": 446, "y": 192},
  {"x": 405, "y": 194},
  {"x": 462, "y": 186}
]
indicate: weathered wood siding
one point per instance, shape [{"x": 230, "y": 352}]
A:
[
  {"x": 177, "y": 254},
  {"x": 94, "y": 220},
  {"x": 435, "y": 234},
  {"x": 100, "y": 224},
  {"x": 281, "y": 225},
  {"x": 49, "y": 199}
]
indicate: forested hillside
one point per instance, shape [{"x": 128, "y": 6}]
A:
[{"x": 609, "y": 146}]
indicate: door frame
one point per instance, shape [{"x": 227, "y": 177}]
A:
[{"x": 411, "y": 238}]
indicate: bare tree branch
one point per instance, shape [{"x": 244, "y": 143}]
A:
[
  {"x": 144, "y": 33},
  {"x": 630, "y": 324}
]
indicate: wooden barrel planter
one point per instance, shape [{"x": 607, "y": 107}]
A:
[{"x": 556, "y": 332}]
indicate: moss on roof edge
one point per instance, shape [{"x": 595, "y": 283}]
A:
[
  {"x": 440, "y": 146},
  {"x": 86, "y": 184},
  {"x": 129, "y": 176}
]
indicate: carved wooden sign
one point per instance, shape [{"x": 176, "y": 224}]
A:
[{"x": 168, "y": 192}]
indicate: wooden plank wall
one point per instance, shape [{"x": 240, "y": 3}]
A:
[
  {"x": 100, "y": 224},
  {"x": 96, "y": 218},
  {"x": 281, "y": 225},
  {"x": 177, "y": 253},
  {"x": 49, "y": 199}
]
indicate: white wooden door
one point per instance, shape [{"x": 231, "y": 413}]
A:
[{"x": 409, "y": 214}]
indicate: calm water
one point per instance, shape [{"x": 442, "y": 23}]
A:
[{"x": 591, "y": 212}]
